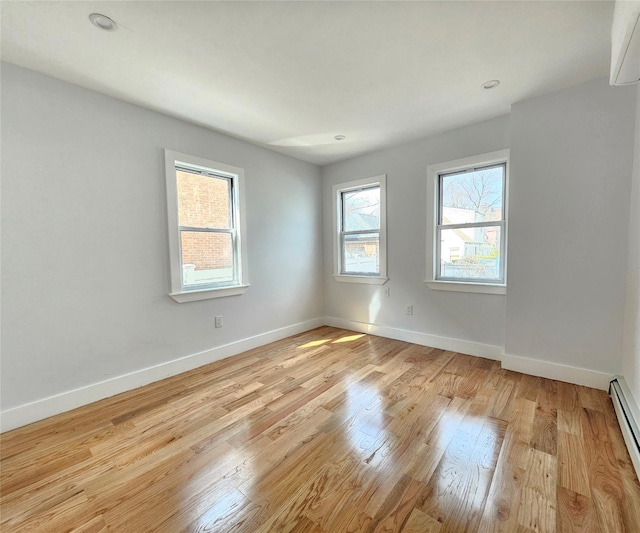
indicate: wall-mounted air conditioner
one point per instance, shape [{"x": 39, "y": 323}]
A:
[{"x": 625, "y": 43}]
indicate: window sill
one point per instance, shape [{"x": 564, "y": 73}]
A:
[
  {"x": 485, "y": 288},
  {"x": 369, "y": 280},
  {"x": 206, "y": 294}
]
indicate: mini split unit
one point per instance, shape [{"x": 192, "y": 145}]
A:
[{"x": 625, "y": 43}]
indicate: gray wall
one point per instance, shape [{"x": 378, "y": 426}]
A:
[
  {"x": 571, "y": 164},
  {"x": 471, "y": 317},
  {"x": 85, "y": 260},
  {"x": 631, "y": 346},
  {"x": 85, "y": 276}
]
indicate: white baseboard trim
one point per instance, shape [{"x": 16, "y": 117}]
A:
[
  {"x": 66, "y": 401},
  {"x": 557, "y": 371},
  {"x": 628, "y": 415},
  {"x": 534, "y": 367},
  {"x": 424, "y": 339},
  {"x": 60, "y": 403}
]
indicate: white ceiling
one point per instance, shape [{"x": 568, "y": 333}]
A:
[{"x": 292, "y": 75}]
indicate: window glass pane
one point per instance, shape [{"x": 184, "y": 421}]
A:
[
  {"x": 203, "y": 201},
  {"x": 361, "y": 253},
  {"x": 206, "y": 257},
  {"x": 361, "y": 209},
  {"x": 470, "y": 253},
  {"x": 472, "y": 196}
]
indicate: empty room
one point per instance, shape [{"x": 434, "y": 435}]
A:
[{"x": 320, "y": 266}]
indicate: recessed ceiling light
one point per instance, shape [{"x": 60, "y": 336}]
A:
[
  {"x": 340, "y": 137},
  {"x": 490, "y": 84},
  {"x": 103, "y": 22}
]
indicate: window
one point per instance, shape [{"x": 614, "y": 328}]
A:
[
  {"x": 360, "y": 231},
  {"x": 205, "y": 207},
  {"x": 469, "y": 224}
]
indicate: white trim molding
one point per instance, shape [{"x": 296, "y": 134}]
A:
[
  {"x": 180, "y": 292},
  {"x": 525, "y": 365},
  {"x": 433, "y": 172},
  {"x": 369, "y": 280},
  {"x": 424, "y": 339},
  {"x": 484, "y": 288},
  {"x": 66, "y": 401},
  {"x": 557, "y": 371},
  {"x": 192, "y": 296},
  {"x": 336, "y": 199}
]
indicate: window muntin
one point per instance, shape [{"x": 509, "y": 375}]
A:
[
  {"x": 470, "y": 225},
  {"x": 207, "y": 243},
  {"x": 360, "y": 231}
]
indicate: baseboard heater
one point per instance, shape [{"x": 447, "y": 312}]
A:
[{"x": 628, "y": 418}]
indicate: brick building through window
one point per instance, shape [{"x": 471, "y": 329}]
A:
[{"x": 204, "y": 201}]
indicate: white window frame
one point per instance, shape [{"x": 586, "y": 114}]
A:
[
  {"x": 433, "y": 178},
  {"x": 240, "y": 283},
  {"x": 339, "y": 188}
]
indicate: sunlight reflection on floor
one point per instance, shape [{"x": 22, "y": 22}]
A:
[
  {"x": 320, "y": 342},
  {"x": 348, "y": 338},
  {"x": 311, "y": 344}
]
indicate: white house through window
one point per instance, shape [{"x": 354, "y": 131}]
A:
[
  {"x": 469, "y": 228},
  {"x": 470, "y": 224}
]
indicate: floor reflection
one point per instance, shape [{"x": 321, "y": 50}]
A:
[
  {"x": 348, "y": 338},
  {"x": 320, "y": 342},
  {"x": 365, "y": 421},
  {"x": 312, "y": 344},
  {"x": 470, "y": 447}
]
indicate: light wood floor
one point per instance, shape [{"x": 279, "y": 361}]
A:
[{"x": 328, "y": 431}]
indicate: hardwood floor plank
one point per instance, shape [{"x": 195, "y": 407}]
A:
[
  {"x": 419, "y": 522},
  {"x": 96, "y": 525},
  {"x": 63, "y": 517},
  {"x": 457, "y": 491},
  {"x": 395, "y": 511},
  {"x": 328, "y": 431},
  {"x": 536, "y": 512},
  {"x": 500, "y": 513},
  {"x": 572, "y": 464},
  {"x": 545, "y": 431},
  {"x": 609, "y": 510},
  {"x": 304, "y": 525},
  {"x": 576, "y": 513},
  {"x": 570, "y": 422}
]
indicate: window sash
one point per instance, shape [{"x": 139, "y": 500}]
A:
[
  {"x": 360, "y": 232},
  {"x": 344, "y": 234},
  {"x": 194, "y": 169},
  {"x": 501, "y": 223},
  {"x": 343, "y": 252},
  {"x": 218, "y": 175},
  {"x": 342, "y": 207},
  {"x": 492, "y": 224},
  {"x": 232, "y": 199},
  {"x": 235, "y": 258},
  {"x": 344, "y": 268},
  {"x": 443, "y": 175},
  {"x": 178, "y": 277},
  {"x": 205, "y": 230}
]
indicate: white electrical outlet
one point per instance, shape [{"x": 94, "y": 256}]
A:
[
  {"x": 387, "y": 291},
  {"x": 219, "y": 321},
  {"x": 409, "y": 309}
]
